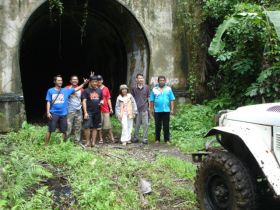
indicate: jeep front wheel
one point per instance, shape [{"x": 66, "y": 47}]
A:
[{"x": 223, "y": 183}]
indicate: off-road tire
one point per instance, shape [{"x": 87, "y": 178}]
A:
[{"x": 224, "y": 183}]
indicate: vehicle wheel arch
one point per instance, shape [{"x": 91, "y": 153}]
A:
[{"x": 234, "y": 144}]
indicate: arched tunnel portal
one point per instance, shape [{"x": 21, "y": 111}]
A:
[{"x": 98, "y": 35}]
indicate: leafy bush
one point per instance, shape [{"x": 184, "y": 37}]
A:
[
  {"x": 267, "y": 86},
  {"x": 247, "y": 50},
  {"x": 190, "y": 125}
]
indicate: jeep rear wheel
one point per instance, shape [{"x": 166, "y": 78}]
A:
[{"x": 223, "y": 183}]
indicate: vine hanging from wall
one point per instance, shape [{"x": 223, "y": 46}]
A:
[
  {"x": 56, "y": 8},
  {"x": 84, "y": 22}
]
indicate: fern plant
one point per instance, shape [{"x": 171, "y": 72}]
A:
[{"x": 21, "y": 171}]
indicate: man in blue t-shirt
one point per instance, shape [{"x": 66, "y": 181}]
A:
[
  {"x": 162, "y": 104},
  {"x": 57, "y": 106}
]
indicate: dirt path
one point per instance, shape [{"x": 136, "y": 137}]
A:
[{"x": 147, "y": 152}]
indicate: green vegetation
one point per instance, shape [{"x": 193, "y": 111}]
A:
[
  {"x": 55, "y": 7},
  {"x": 233, "y": 49},
  {"x": 191, "y": 25},
  {"x": 190, "y": 125},
  {"x": 35, "y": 176},
  {"x": 246, "y": 48}
]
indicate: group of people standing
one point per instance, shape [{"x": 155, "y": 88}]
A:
[{"x": 74, "y": 108}]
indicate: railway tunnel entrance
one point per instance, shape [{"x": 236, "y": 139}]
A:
[{"x": 98, "y": 35}]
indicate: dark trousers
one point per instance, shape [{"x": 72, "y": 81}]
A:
[{"x": 162, "y": 119}]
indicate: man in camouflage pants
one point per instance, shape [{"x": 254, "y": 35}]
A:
[{"x": 75, "y": 114}]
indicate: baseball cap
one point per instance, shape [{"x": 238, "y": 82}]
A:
[
  {"x": 99, "y": 77},
  {"x": 93, "y": 78}
]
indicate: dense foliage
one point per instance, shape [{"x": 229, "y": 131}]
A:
[
  {"x": 190, "y": 125},
  {"x": 247, "y": 50}
]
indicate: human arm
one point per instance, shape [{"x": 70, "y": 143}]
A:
[
  {"x": 172, "y": 99},
  {"x": 148, "y": 96},
  {"x": 48, "y": 104},
  {"x": 101, "y": 100},
  {"x": 82, "y": 85},
  {"x": 110, "y": 106},
  {"x": 117, "y": 108},
  {"x": 132, "y": 92},
  {"x": 152, "y": 107},
  {"x": 134, "y": 106},
  {"x": 172, "y": 107},
  {"x": 84, "y": 104},
  {"x": 152, "y": 99},
  {"x": 48, "y": 107}
]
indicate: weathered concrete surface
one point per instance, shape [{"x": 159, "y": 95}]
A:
[
  {"x": 158, "y": 20},
  {"x": 11, "y": 116},
  {"x": 155, "y": 16},
  {"x": 13, "y": 14}
]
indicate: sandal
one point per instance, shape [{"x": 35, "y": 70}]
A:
[
  {"x": 101, "y": 141},
  {"x": 88, "y": 145}
]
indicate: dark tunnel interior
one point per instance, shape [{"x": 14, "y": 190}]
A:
[{"x": 52, "y": 45}]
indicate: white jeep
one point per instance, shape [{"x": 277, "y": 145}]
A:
[{"x": 231, "y": 178}]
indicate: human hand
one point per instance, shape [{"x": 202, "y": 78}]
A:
[
  {"x": 85, "y": 81},
  {"x": 151, "y": 113},
  {"x": 91, "y": 73},
  {"x": 86, "y": 116},
  {"x": 172, "y": 112},
  {"x": 111, "y": 111},
  {"x": 49, "y": 115}
]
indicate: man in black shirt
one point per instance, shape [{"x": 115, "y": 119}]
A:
[{"x": 92, "y": 99}]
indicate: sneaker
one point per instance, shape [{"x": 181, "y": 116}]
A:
[
  {"x": 129, "y": 142},
  {"x": 167, "y": 142},
  {"x": 124, "y": 143},
  {"x": 135, "y": 140},
  {"x": 145, "y": 142},
  {"x": 157, "y": 142}
]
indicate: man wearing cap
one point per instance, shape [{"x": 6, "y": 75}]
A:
[
  {"x": 162, "y": 105},
  {"x": 141, "y": 95},
  {"x": 106, "y": 109},
  {"x": 91, "y": 100}
]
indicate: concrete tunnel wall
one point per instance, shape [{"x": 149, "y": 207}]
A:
[{"x": 159, "y": 52}]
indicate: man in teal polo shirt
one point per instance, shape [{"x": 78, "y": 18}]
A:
[{"x": 162, "y": 105}]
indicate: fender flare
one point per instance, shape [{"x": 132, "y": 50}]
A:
[{"x": 262, "y": 154}]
